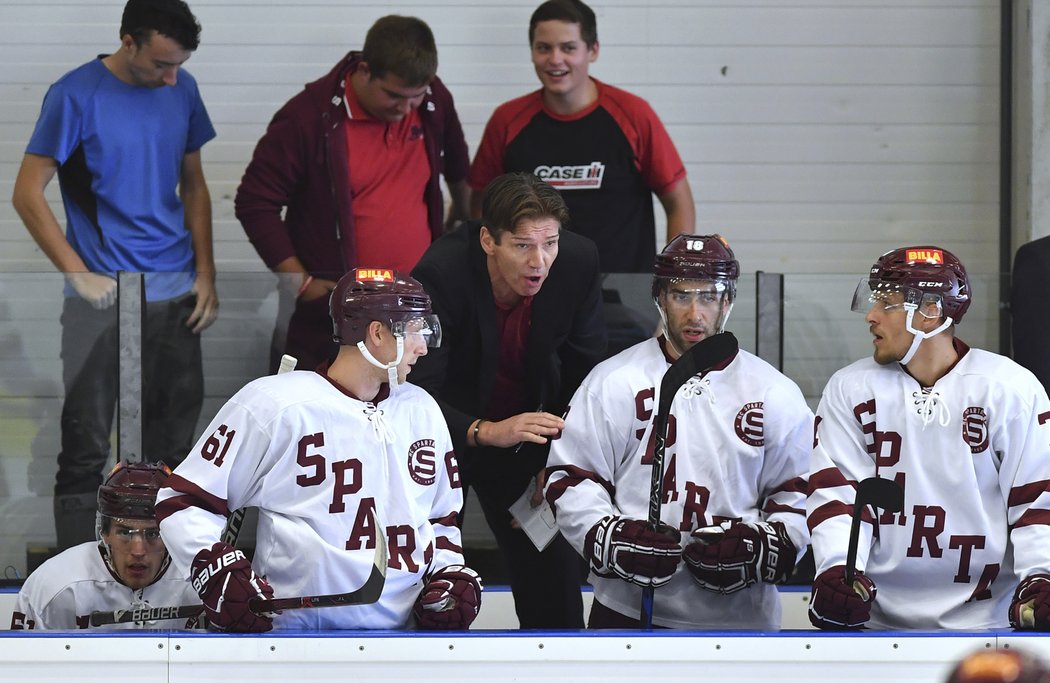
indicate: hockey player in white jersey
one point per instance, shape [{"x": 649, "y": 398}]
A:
[
  {"x": 965, "y": 433},
  {"x": 319, "y": 453},
  {"x": 736, "y": 455},
  {"x": 128, "y": 568}
]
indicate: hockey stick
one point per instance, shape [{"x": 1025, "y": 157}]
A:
[
  {"x": 878, "y": 493},
  {"x": 367, "y": 594},
  {"x": 236, "y": 519},
  {"x": 700, "y": 357}
]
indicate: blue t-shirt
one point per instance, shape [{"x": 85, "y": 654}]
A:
[{"x": 119, "y": 149}]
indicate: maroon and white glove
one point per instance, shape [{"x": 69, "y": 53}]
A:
[
  {"x": 629, "y": 549},
  {"x": 224, "y": 579},
  {"x": 834, "y": 606},
  {"x": 732, "y": 556},
  {"x": 1030, "y": 608},
  {"x": 450, "y": 599}
]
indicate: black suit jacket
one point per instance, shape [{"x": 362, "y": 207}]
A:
[
  {"x": 566, "y": 338},
  {"x": 1030, "y": 308}
]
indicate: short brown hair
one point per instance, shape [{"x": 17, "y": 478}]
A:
[
  {"x": 569, "y": 11},
  {"x": 514, "y": 197},
  {"x": 403, "y": 46}
]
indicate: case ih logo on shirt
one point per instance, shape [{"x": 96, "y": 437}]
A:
[
  {"x": 975, "y": 429},
  {"x": 748, "y": 424},
  {"x": 422, "y": 462},
  {"x": 927, "y": 255},
  {"x": 586, "y": 177}
]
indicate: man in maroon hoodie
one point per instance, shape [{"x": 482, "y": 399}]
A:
[{"x": 347, "y": 173}]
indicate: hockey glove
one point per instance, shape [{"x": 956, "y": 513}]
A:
[
  {"x": 730, "y": 557},
  {"x": 224, "y": 579},
  {"x": 450, "y": 599},
  {"x": 629, "y": 549},
  {"x": 834, "y": 606},
  {"x": 1030, "y": 608}
]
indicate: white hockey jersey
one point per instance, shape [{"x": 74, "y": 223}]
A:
[
  {"x": 62, "y": 593},
  {"x": 973, "y": 457},
  {"x": 315, "y": 461},
  {"x": 737, "y": 448}
]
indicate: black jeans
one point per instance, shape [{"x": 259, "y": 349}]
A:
[
  {"x": 546, "y": 585},
  {"x": 172, "y": 393}
]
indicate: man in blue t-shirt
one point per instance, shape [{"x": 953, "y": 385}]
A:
[{"x": 124, "y": 133}]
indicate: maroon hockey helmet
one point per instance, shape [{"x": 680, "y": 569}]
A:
[
  {"x": 918, "y": 271},
  {"x": 130, "y": 490},
  {"x": 696, "y": 257},
  {"x": 367, "y": 294}
]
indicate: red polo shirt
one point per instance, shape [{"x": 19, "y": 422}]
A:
[{"x": 388, "y": 176}]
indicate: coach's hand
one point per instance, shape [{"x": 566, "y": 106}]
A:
[
  {"x": 224, "y": 579},
  {"x": 207, "y": 308},
  {"x": 732, "y": 556},
  {"x": 629, "y": 549},
  {"x": 834, "y": 606},
  {"x": 450, "y": 599},
  {"x": 98, "y": 290}
]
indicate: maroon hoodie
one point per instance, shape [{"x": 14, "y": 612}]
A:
[{"x": 301, "y": 163}]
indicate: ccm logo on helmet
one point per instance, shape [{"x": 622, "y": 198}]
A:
[
  {"x": 214, "y": 568},
  {"x": 929, "y": 284}
]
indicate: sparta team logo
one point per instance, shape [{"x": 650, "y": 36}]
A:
[
  {"x": 422, "y": 462},
  {"x": 748, "y": 424},
  {"x": 975, "y": 429}
]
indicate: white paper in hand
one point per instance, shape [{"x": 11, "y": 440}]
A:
[{"x": 537, "y": 523}]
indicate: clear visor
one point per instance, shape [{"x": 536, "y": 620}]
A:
[
  {"x": 890, "y": 296},
  {"x": 708, "y": 293},
  {"x": 125, "y": 533},
  {"x": 426, "y": 326}
]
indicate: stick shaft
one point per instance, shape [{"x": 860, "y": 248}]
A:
[{"x": 700, "y": 357}]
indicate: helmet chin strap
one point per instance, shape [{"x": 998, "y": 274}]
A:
[
  {"x": 391, "y": 367},
  {"x": 918, "y": 335}
]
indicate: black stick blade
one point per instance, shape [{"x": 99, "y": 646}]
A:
[{"x": 881, "y": 493}]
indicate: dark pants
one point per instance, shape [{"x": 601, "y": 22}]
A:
[
  {"x": 546, "y": 585},
  {"x": 172, "y": 392},
  {"x": 308, "y": 336},
  {"x": 604, "y": 617}
]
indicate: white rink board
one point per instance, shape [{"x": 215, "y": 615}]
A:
[
  {"x": 497, "y": 608},
  {"x": 494, "y": 656}
]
